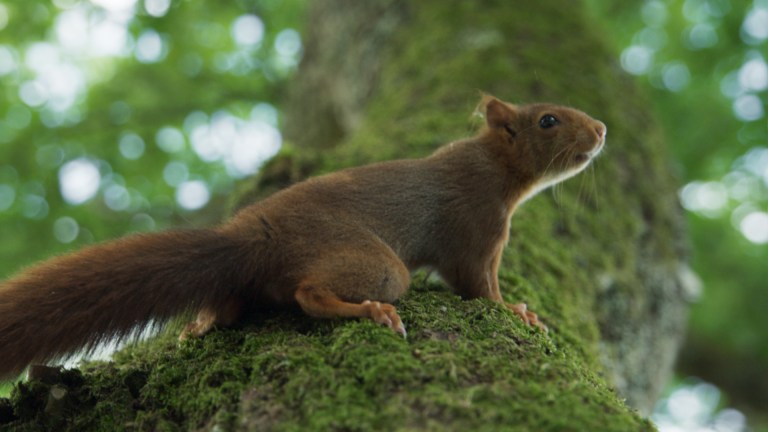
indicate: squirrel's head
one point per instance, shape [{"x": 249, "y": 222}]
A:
[{"x": 552, "y": 142}]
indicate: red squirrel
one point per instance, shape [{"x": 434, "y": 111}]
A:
[{"x": 338, "y": 245}]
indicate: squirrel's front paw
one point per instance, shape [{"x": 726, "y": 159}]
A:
[
  {"x": 530, "y": 318},
  {"x": 385, "y": 314}
]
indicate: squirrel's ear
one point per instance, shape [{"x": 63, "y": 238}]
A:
[{"x": 497, "y": 113}]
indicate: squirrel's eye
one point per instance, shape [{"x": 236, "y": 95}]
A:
[{"x": 548, "y": 121}]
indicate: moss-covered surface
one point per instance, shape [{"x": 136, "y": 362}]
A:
[
  {"x": 466, "y": 365},
  {"x": 288, "y": 372}
]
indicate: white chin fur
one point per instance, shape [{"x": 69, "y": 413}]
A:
[{"x": 551, "y": 180}]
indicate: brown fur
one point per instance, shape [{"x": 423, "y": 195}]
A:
[{"x": 340, "y": 245}]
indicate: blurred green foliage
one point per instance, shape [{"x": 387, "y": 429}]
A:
[
  {"x": 709, "y": 78},
  {"x": 148, "y": 97},
  {"x": 162, "y": 98}
]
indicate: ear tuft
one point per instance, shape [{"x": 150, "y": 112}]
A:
[{"x": 497, "y": 114}]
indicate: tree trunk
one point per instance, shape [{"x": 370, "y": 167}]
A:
[
  {"x": 601, "y": 259},
  {"x": 396, "y": 79}
]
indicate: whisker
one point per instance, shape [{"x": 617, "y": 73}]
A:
[
  {"x": 555, "y": 157},
  {"x": 556, "y": 194},
  {"x": 596, "y": 195},
  {"x": 580, "y": 195},
  {"x": 557, "y": 188}
]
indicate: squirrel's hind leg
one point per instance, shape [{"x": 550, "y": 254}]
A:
[
  {"x": 209, "y": 317},
  {"x": 355, "y": 282},
  {"x": 321, "y": 303}
]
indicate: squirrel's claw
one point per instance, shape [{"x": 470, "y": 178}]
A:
[
  {"x": 385, "y": 314},
  {"x": 528, "y": 317}
]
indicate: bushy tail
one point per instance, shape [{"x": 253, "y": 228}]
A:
[{"x": 108, "y": 291}]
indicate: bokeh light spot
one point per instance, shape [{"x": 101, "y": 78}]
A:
[
  {"x": 264, "y": 112},
  {"x": 175, "y": 173},
  {"x": 756, "y": 23},
  {"x": 71, "y": 29},
  {"x": 675, "y": 76},
  {"x": 753, "y": 75},
  {"x": 7, "y": 196},
  {"x": 256, "y": 143},
  {"x": 66, "y": 229},
  {"x": 79, "y": 180},
  {"x": 654, "y": 13},
  {"x": 754, "y": 227},
  {"x": 131, "y": 146},
  {"x": 247, "y": 30},
  {"x": 170, "y": 139},
  {"x": 4, "y": 16},
  {"x": 150, "y": 47},
  {"x": 702, "y": 35},
  {"x": 33, "y": 93},
  {"x": 7, "y": 60},
  {"x": 243, "y": 145},
  {"x": 708, "y": 198},
  {"x": 288, "y": 43},
  {"x": 157, "y": 8},
  {"x": 49, "y": 156},
  {"x": 193, "y": 194},
  {"x": 34, "y": 207},
  {"x": 109, "y": 38},
  {"x": 748, "y": 107},
  {"x": 142, "y": 222},
  {"x": 117, "y": 198},
  {"x": 637, "y": 59},
  {"x": 116, "y": 6}
]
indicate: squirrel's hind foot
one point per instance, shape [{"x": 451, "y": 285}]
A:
[
  {"x": 530, "y": 318},
  {"x": 205, "y": 321},
  {"x": 322, "y": 303},
  {"x": 385, "y": 314},
  {"x": 208, "y": 318}
]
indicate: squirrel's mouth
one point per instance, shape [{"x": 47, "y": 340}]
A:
[
  {"x": 584, "y": 157},
  {"x": 581, "y": 158}
]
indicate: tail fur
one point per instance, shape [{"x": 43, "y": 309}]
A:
[{"x": 108, "y": 291}]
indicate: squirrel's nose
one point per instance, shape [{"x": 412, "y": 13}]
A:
[{"x": 601, "y": 129}]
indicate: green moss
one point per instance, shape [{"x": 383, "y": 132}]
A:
[{"x": 299, "y": 374}]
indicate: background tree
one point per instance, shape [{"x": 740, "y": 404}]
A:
[
  {"x": 156, "y": 117},
  {"x": 705, "y": 63}
]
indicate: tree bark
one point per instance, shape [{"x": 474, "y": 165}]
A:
[{"x": 602, "y": 259}]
